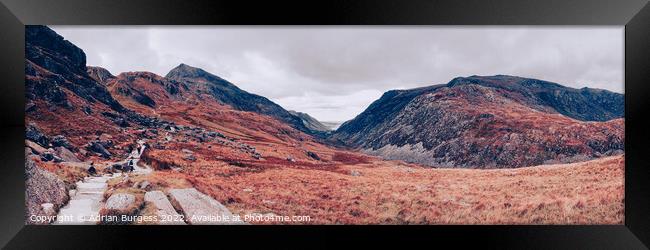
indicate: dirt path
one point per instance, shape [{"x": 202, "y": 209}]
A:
[{"x": 86, "y": 200}]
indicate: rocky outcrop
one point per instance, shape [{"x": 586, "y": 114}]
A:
[
  {"x": 199, "y": 208},
  {"x": 41, "y": 187},
  {"x": 35, "y": 148},
  {"x": 163, "y": 208},
  {"x": 101, "y": 75},
  {"x": 97, "y": 147},
  {"x": 487, "y": 122},
  {"x": 66, "y": 155},
  {"x": 54, "y": 66},
  {"x": 380, "y": 111},
  {"x": 34, "y": 134},
  {"x": 61, "y": 141}
]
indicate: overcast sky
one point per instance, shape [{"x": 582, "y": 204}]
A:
[{"x": 334, "y": 73}]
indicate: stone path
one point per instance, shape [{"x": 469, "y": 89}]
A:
[
  {"x": 86, "y": 201},
  {"x": 197, "y": 208}
]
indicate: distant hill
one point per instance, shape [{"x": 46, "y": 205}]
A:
[
  {"x": 489, "y": 122},
  {"x": 310, "y": 122}
]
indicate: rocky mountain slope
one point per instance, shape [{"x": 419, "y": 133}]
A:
[
  {"x": 56, "y": 68},
  {"x": 100, "y": 74},
  {"x": 229, "y": 94},
  {"x": 489, "y": 122},
  {"x": 204, "y": 135},
  {"x": 310, "y": 122}
]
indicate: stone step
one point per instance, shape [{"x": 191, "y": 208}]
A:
[
  {"x": 199, "y": 208},
  {"x": 164, "y": 208},
  {"x": 91, "y": 185},
  {"x": 93, "y": 197}
]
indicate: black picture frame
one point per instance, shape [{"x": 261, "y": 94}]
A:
[{"x": 634, "y": 15}]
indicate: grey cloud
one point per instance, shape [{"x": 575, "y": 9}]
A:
[{"x": 307, "y": 68}]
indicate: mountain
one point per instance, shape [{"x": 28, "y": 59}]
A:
[
  {"x": 197, "y": 132},
  {"x": 56, "y": 69},
  {"x": 487, "y": 122},
  {"x": 100, "y": 74},
  {"x": 310, "y": 122},
  {"x": 229, "y": 94},
  {"x": 62, "y": 98},
  {"x": 146, "y": 88}
]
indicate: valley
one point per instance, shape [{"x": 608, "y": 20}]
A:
[{"x": 477, "y": 150}]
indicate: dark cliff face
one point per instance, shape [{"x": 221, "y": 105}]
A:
[
  {"x": 380, "y": 111},
  {"x": 489, "y": 122},
  {"x": 54, "y": 64},
  {"x": 227, "y": 93}
]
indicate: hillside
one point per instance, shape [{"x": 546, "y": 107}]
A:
[
  {"x": 229, "y": 94},
  {"x": 201, "y": 145},
  {"x": 487, "y": 122}
]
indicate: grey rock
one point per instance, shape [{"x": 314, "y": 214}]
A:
[
  {"x": 199, "y": 208},
  {"x": 32, "y": 133},
  {"x": 35, "y": 148},
  {"x": 41, "y": 187},
  {"x": 313, "y": 155},
  {"x": 97, "y": 147},
  {"x": 120, "y": 203},
  {"x": 66, "y": 155},
  {"x": 164, "y": 208},
  {"x": 61, "y": 141}
]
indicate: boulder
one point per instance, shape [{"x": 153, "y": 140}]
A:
[
  {"x": 115, "y": 168},
  {"x": 313, "y": 155},
  {"x": 35, "y": 148},
  {"x": 199, "y": 208},
  {"x": 189, "y": 157},
  {"x": 50, "y": 155},
  {"x": 66, "y": 155},
  {"x": 97, "y": 147},
  {"x": 32, "y": 133},
  {"x": 121, "y": 122},
  {"x": 163, "y": 207},
  {"x": 120, "y": 203},
  {"x": 61, "y": 141},
  {"x": 41, "y": 187}
]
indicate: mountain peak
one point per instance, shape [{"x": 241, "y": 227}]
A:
[
  {"x": 100, "y": 74},
  {"x": 186, "y": 71}
]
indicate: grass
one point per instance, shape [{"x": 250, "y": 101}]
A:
[
  {"x": 392, "y": 193},
  {"x": 69, "y": 174}
]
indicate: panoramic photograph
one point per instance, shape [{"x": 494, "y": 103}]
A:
[{"x": 364, "y": 125}]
